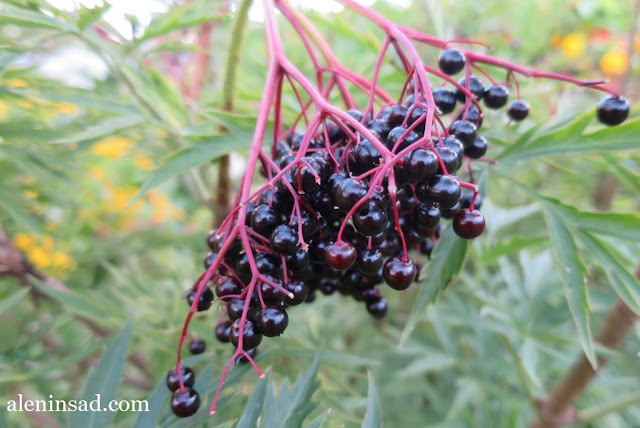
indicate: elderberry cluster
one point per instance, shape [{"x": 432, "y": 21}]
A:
[{"x": 339, "y": 216}]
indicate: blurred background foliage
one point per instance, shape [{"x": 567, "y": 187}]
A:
[{"x": 89, "y": 116}]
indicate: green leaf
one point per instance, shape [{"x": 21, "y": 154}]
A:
[
  {"x": 446, "y": 262},
  {"x": 625, "y": 226},
  {"x": 104, "y": 380},
  {"x": 318, "y": 421},
  {"x": 292, "y": 405},
  {"x": 183, "y": 160},
  {"x": 13, "y": 299},
  {"x": 103, "y": 129},
  {"x": 155, "y": 401},
  {"x": 624, "y": 283},
  {"x": 87, "y": 16},
  {"x": 253, "y": 408},
  {"x": 372, "y": 419},
  {"x": 572, "y": 273},
  {"x": 86, "y": 304},
  {"x": 29, "y": 18}
]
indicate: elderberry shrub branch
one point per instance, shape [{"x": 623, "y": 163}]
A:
[{"x": 356, "y": 199}]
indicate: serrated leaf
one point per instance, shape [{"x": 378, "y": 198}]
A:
[
  {"x": 253, "y": 408},
  {"x": 183, "y": 160},
  {"x": 293, "y": 404},
  {"x": 103, "y": 129},
  {"x": 446, "y": 261},
  {"x": 13, "y": 299},
  {"x": 625, "y": 284},
  {"x": 29, "y": 18},
  {"x": 572, "y": 273},
  {"x": 372, "y": 418},
  {"x": 104, "y": 380}
]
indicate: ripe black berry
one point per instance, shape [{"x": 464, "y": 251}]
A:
[
  {"x": 299, "y": 290},
  {"x": 227, "y": 286},
  {"x": 272, "y": 321},
  {"x": 445, "y": 100},
  {"x": 464, "y": 131},
  {"x": 185, "y": 402},
  {"x": 442, "y": 189},
  {"x": 251, "y": 337},
  {"x": 173, "y": 380},
  {"x": 451, "y": 61},
  {"x": 420, "y": 164},
  {"x": 222, "y": 331},
  {"x": 612, "y": 110},
  {"x": 370, "y": 219},
  {"x": 377, "y": 307},
  {"x": 454, "y": 144},
  {"x": 236, "y": 306},
  {"x": 205, "y": 300},
  {"x": 495, "y": 96},
  {"x": 449, "y": 159},
  {"x": 518, "y": 110},
  {"x": 477, "y": 149},
  {"x": 270, "y": 294},
  {"x": 284, "y": 240},
  {"x": 209, "y": 259},
  {"x": 468, "y": 224},
  {"x": 370, "y": 261},
  {"x": 341, "y": 255},
  {"x": 299, "y": 261},
  {"x": 197, "y": 346},
  {"x": 476, "y": 87},
  {"x": 399, "y": 272},
  {"x": 349, "y": 192},
  {"x": 397, "y": 113},
  {"x": 426, "y": 217},
  {"x": 264, "y": 219}
]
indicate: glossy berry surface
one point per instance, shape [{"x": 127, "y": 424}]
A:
[
  {"x": 468, "y": 224},
  {"x": 185, "y": 403},
  {"x": 399, "y": 273},
  {"x": 370, "y": 261},
  {"x": 464, "y": 131},
  {"x": 197, "y": 346},
  {"x": 451, "y": 61},
  {"x": 476, "y": 87},
  {"x": 284, "y": 240},
  {"x": 518, "y": 110},
  {"x": 612, "y": 110},
  {"x": 205, "y": 300},
  {"x": 341, "y": 255},
  {"x": 223, "y": 328},
  {"x": 251, "y": 336},
  {"x": 173, "y": 380},
  {"x": 496, "y": 96},
  {"x": 477, "y": 149},
  {"x": 272, "y": 321},
  {"x": 299, "y": 289},
  {"x": 377, "y": 307},
  {"x": 441, "y": 189},
  {"x": 445, "y": 99}
]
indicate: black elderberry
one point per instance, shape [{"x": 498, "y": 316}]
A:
[
  {"x": 476, "y": 87},
  {"x": 284, "y": 240},
  {"x": 399, "y": 272},
  {"x": 236, "y": 306},
  {"x": 496, "y": 96},
  {"x": 612, "y": 110},
  {"x": 451, "y": 61},
  {"x": 380, "y": 127},
  {"x": 272, "y": 321},
  {"x": 464, "y": 131},
  {"x": 197, "y": 346},
  {"x": 227, "y": 286},
  {"x": 477, "y": 149},
  {"x": 426, "y": 217},
  {"x": 365, "y": 157},
  {"x": 341, "y": 255},
  {"x": 349, "y": 192},
  {"x": 251, "y": 336},
  {"x": 267, "y": 263},
  {"x": 369, "y": 261},
  {"x": 173, "y": 380},
  {"x": 223, "y": 328},
  {"x": 454, "y": 144},
  {"x": 518, "y": 110},
  {"x": 377, "y": 307},
  {"x": 397, "y": 113},
  {"x": 449, "y": 159},
  {"x": 299, "y": 261},
  {"x": 420, "y": 164},
  {"x": 299, "y": 289},
  {"x": 264, "y": 219},
  {"x": 185, "y": 402},
  {"x": 270, "y": 294},
  {"x": 445, "y": 100},
  {"x": 209, "y": 259},
  {"x": 370, "y": 219},
  {"x": 468, "y": 224},
  {"x": 205, "y": 300},
  {"x": 441, "y": 189}
]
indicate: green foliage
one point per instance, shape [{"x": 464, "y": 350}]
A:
[{"x": 103, "y": 187}]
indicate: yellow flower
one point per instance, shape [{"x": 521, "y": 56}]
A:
[
  {"x": 47, "y": 242},
  {"x": 3, "y": 109},
  {"x": 61, "y": 260},
  {"x": 17, "y": 83},
  {"x": 67, "y": 108},
  {"x": 31, "y": 194},
  {"x": 556, "y": 40},
  {"x": 573, "y": 44},
  {"x": 24, "y": 240},
  {"x": 614, "y": 62},
  {"x": 112, "y": 147},
  {"x": 142, "y": 162},
  {"x": 96, "y": 172},
  {"x": 39, "y": 257}
]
